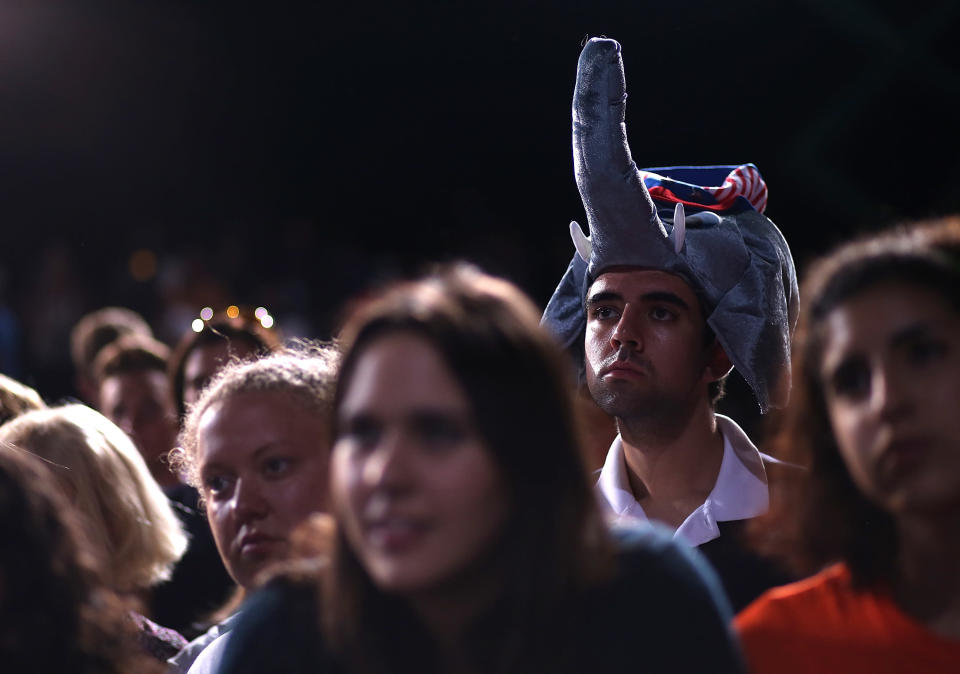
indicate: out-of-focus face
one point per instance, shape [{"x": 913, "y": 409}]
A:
[
  {"x": 205, "y": 360},
  {"x": 263, "y": 463},
  {"x": 140, "y": 404},
  {"x": 419, "y": 495},
  {"x": 891, "y": 379},
  {"x": 644, "y": 346}
]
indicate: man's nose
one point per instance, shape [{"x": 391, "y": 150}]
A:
[{"x": 627, "y": 331}]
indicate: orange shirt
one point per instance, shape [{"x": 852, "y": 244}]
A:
[{"x": 822, "y": 625}]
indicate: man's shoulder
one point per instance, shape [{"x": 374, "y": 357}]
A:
[
  {"x": 778, "y": 468},
  {"x": 745, "y": 448}
]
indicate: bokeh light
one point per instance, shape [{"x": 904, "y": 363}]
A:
[{"x": 143, "y": 265}]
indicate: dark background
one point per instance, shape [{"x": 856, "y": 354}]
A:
[{"x": 167, "y": 155}]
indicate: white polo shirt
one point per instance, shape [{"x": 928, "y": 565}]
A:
[{"x": 739, "y": 493}]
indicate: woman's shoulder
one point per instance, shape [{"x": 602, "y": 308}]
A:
[
  {"x": 813, "y": 625},
  {"x": 820, "y": 599},
  {"x": 826, "y": 624},
  {"x": 662, "y": 595},
  {"x": 158, "y": 642},
  {"x": 650, "y": 556},
  {"x": 277, "y": 630}
]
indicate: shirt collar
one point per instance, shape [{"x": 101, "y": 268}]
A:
[
  {"x": 613, "y": 487},
  {"x": 740, "y": 491}
]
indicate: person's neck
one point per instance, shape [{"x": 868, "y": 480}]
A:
[
  {"x": 449, "y": 611},
  {"x": 672, "y": 470},
  {"x": 926, "y": 584}
]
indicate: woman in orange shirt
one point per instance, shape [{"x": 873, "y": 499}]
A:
[{"x": 875, "y": 419}]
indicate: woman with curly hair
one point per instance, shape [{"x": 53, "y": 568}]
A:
[
  {"x": 875, "y": 421},
  {"x": 256, "y": 447}
]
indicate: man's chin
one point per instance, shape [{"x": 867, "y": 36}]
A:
[
  {"x": 651, "y": 408},
  {"x": 622, "y": 404}
]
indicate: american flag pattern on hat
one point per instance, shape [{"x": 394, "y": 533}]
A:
[{"x": 714, "y": 188}]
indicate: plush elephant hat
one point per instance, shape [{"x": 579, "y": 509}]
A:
[{"x": 704, "y": 224}]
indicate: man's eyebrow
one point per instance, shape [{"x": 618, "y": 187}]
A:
[
  {"x": 604, "y": 296},
  {"x": 654, "y": 296},
  {"x": 664, "y": 296}
]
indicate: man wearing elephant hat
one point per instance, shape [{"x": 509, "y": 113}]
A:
[{"x": 681, "y": 278}]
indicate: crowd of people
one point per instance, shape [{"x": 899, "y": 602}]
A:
[{"x": 414, "y": 494}]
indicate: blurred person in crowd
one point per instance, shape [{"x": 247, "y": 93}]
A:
[
  {"x": 134, "y": 393},
  {"x": 659, "y": 305},
  {"x": 874, "y": 419},
  {"x": 88, "y": 337},
  {"x": 56, "y": 615},
  {"x": 467, "y": 536},
  {"x": 11, "y": 331},
  {"x": 127, "y": 521},
  {"x": 17, "y": 398},
  {"x": 256, "y": 445},
  {"x": 238, "y": 332}
]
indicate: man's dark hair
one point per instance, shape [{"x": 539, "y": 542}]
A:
[
  {"x": 131, "y": 353},
  {"x": 99, "y": 328}
]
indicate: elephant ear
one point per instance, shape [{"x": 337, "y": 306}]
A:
[
  {"x": 565, "y": 316},
  {"x": 755, "y": 318}
]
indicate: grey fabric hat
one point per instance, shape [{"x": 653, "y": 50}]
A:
[{"x": 682, "y": 220}]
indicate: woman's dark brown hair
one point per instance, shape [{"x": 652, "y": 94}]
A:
[
  {"x": 243, "y": 328},
  {"x": 488, "y": 334},
  {"x": 818, "y": 516}
]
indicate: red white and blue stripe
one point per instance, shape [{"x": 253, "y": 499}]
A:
[{"x": 715, "y": 188}]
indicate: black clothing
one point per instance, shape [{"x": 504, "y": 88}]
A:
[{"x": 663, "y": 612}]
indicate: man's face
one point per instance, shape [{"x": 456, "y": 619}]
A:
[
  {"x": 644, "y": 348},
  {"x": 139, "y": 402}
]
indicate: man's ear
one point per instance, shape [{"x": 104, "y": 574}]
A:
[{"x": 718, "y": 362}]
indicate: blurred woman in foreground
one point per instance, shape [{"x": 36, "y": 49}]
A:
[
  {"x": 467, "y": 536},
  {"x": 876, "y": 420}
]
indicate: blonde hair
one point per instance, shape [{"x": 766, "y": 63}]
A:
[
  {"x": 127, "y": 517},
  {"x": 17, "y": 398}
]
